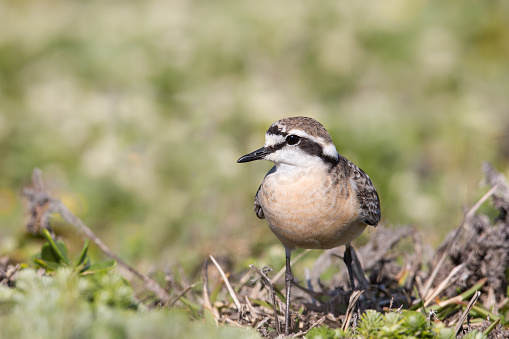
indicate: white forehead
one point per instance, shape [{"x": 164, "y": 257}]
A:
[
  {"x": 273, "y": 139},
  {"x": 301, "y": 133}
]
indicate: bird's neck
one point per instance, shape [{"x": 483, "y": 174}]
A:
[{"x": 294, "y": 173}]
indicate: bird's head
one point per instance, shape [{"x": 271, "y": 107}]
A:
[{"x": 296, "y": 141}]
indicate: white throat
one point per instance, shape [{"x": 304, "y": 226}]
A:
[
  {"x": 292, "y": 170},
  {"x": 289, "y": 173}
]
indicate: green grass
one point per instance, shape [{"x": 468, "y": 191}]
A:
[
  {"x": 100, "y": 306},
  {"x": 393, "y": 325}
]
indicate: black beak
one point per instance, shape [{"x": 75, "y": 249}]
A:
[{"x": 256, "y": 155}]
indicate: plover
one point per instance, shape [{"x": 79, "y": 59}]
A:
[{"x": 313, "y": 197}]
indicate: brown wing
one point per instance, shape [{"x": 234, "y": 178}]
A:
[
  {"x": 257, "y": 206},
  {"x": 367, "y": 195},
  {"x": 257, "y": 203}
]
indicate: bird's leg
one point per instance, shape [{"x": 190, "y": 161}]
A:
[
  {"x": 347, "y": 258},
  {"x": 358, "y": 271},
  {"x": 289, "y": 281}
]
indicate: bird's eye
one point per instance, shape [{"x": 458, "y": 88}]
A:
[{"x": 292, "y": 139}]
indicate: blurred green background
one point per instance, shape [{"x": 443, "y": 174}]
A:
[{"x": 137, "y": 111}]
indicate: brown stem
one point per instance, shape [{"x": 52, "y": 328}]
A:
[{"x": 38, "y": 196}]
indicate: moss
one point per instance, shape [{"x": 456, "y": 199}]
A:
[{"x": 69, "y": 306}]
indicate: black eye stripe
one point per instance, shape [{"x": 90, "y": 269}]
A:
[
  {"x": 313, "y": 148},
  {"x": 308, "y": 146}
]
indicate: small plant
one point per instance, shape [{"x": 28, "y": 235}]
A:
[
  {"x": 416, "y": 325},
  {"x": 54, "y": 254},
  {"x": 325, "y": 332},
  {"x": 370, "y": 323},
  {"x": 373, "y": 324}
]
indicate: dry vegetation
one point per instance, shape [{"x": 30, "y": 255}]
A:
[
  {"x": 474, "y": 257},
  {"x": 462, "y": 285}
]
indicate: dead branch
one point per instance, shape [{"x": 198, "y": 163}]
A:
[
  {"x": 42, "y": 205},
  {"x": 227, "y": 283},
  {"x": 269, "y": 283},
  {"x": 465, "y": 313}
]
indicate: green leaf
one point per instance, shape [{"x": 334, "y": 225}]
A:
[
  {"x": 321, "y": 332},
  {"x": 47, "y": 264},
  {"x": 101, "y": 266},
  {"x": 83, "y": 255},
  {"x": 474, "y": 335},
  {"x": 445, "y": 333},
  {"x": 213, "y": 295},
  {"x": 392, "y": 324},
  {"x": 209, "y": 317},
  {"x": 85, "y": 266},
  {"x": 279, "y": 293},
  {"x": 491, "y": 327},
  {"x": 193, "y": 307},
  {"x": 416, "y": 324},
  {"x": 484, "y": 313},
  {"x": 370, "y": 323},
  {"x": 448, "y": 310},
  {"x": 58, "y": 247},
  {"x": 340, "y": 333},
  {"x": 261, "y": 303},
  {"x": 48, "y": 254},
  {"x": 63, "y": 252}
]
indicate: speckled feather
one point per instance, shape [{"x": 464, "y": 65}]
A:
[{"x": 367, "y": 195}]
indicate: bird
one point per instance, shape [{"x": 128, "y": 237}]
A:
[{"x": 313, "y": 197}]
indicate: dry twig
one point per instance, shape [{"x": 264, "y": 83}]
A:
[
  {"x": 317, "y": 323},
  {"x": 207, "y": 304},
  {"x": 43, "y": 205},
  {"x": 459, "y": 325},
  {"x": 227, "y": 283},
  {"x": 181, "y": 294},
  {"x": 442, "y": 285},
  {"x": 7, "y": 277},
  {"x": 272, "y": 293},
  {"x": 351, "y": 307}
]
